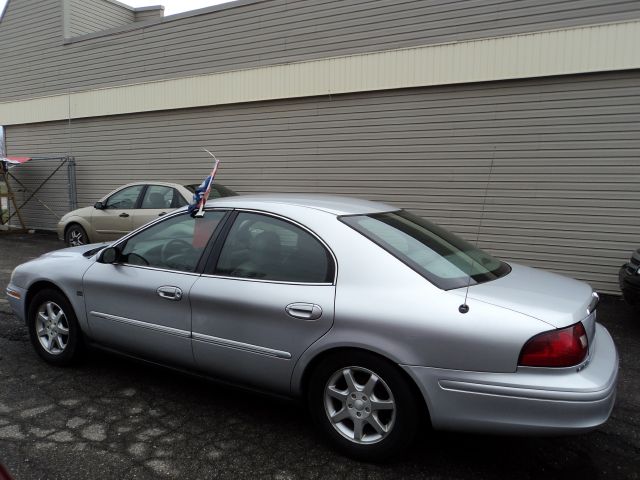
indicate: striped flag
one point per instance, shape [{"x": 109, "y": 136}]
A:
[
  {"x": 200, "y": 195},
  {"x": 13, "y": 161},
  {"x": 196, "y": 207}
]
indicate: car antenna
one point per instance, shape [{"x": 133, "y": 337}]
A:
[{"x": 464, "y": 308}]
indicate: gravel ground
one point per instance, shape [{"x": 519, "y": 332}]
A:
[{"x": 112, "y": 417}]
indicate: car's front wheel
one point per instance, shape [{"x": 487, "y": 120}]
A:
[
  {"x": 53, "y": 328},
  {"x": 75, "y": 235},
  {"x": 364, "y": 405}
]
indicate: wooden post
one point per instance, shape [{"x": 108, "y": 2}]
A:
[{"x": 9, "y": 194}]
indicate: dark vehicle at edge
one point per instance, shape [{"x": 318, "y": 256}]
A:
[{"x": 629, "y": 279}]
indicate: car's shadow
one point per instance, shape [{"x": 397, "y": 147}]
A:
[{"x": 232, "y": 425}]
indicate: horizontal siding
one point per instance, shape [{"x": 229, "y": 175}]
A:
[
  {"x": 89, "y": 16},
  {"x": 31, "y": 24},
  {"x": 150, "y": 14},
  {"x": 263, "y": 33},
  {"x": 563, "y": 191},
  {"x": 608, "y": 47}
]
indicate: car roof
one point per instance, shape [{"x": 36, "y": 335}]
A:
[
  {"x": 151, "y": 182},
  {"x": 333, "y": 204},
  {"x": 181, "y": 188}
]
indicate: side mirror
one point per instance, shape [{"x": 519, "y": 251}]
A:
[
  {"x": 110, "y": 255},
  {"x": 98, "y": 205}
]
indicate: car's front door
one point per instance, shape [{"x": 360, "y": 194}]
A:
[
  {"x": 265, "y": 297},
  {"x": 140, "y": 304},
  {"x": 114, "y": 219}
]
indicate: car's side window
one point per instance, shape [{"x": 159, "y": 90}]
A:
[
  {"x": 174, "y": 244},
  {"x": 216, "y": 191},
  {"x": 157, "y": 197},
  {"x": 178, "y": 200},
  {"x": 267, "y": 248},
  {"x": 125, "y": 198}
]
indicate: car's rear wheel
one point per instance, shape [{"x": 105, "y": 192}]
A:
[
  {"x": 633, "y": 302},
  {"x": 53, "y": 328},
  {"x": 75, "y": 235},
  {"x": 364, "y": 406}
]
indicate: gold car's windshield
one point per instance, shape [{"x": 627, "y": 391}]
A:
[{"x": 438, "y": 255}]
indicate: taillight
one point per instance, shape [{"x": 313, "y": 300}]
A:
[{"x": 557, "y": 348}]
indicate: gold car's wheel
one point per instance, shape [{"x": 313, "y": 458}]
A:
[{"x": 75, "y": 235}]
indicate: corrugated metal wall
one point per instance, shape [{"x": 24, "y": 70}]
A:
[
  {"x": 35, "y": 62},
  {"x": 563, "y": 193}
]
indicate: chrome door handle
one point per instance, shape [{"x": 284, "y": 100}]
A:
[
  {"x": 306, "y": 311},
  {"x": 170, "y": 293}
]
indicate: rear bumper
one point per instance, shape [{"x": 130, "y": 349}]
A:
[{"x": 529, "y": 401}]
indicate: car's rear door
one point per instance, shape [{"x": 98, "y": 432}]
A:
[
  {"x": 157, "y": 200},
  {"x": 115, "y": 219},
  {"x": 141, "y": 304},
  {"x": 266, "y": 296}
]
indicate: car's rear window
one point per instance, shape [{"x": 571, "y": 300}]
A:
[
  {"x": 217, "y": 190},
  {"x": 438, "y": 255}
]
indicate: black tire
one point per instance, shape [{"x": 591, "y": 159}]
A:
[
  {"x": 403, "y": 422},
  {"x": 69, "y": 347},
  {"x": 630, "y": 298},
  {"x": 75, "y": 235}
]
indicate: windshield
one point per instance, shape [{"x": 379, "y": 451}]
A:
[{"x": 438, "y": 255}]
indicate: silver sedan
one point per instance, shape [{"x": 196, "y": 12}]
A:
[{"x": 383, "y": 322}]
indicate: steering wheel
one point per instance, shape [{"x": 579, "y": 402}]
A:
[{"x": 174, "y": 248}]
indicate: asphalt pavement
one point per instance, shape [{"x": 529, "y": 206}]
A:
[{"x": 112, "y": 417}]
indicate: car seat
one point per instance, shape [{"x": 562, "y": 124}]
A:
[
  {"x": 156, "y": 200},
  {"x": 265, "y": 258}
]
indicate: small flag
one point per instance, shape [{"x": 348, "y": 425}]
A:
[
  {"x": 196, "y": 207},
  {"x": 198, "y": 196}
]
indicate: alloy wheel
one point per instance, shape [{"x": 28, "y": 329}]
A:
[
  {"x": 359, "y": 405},
  {"x": 52, "y": 328},
  {"x": 76, "y": 237}
]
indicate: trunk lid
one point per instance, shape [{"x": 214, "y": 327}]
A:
[{"x": 554, "y": 299}]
